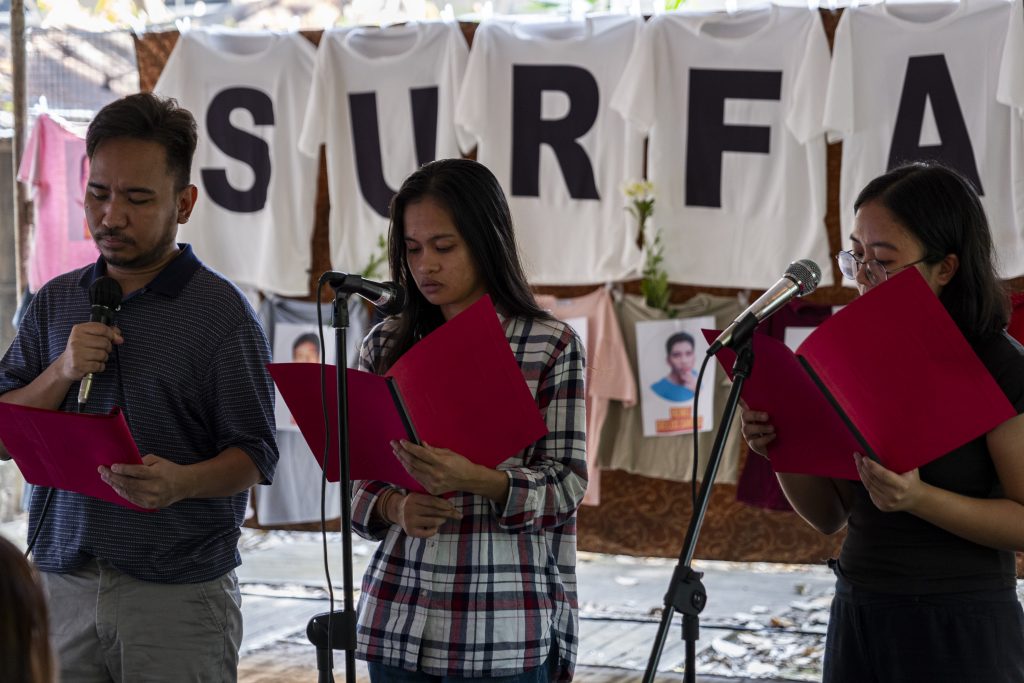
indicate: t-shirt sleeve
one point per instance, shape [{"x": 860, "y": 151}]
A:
[
  {"x": 24, "y": 360},
  {"x": 546, "y": 493},
  {"x": 170, "y": 84},
  {"x": 634, "y": 96},
  {"x": 457, "y": 64},
  {"x": 318, "y": 106},
  {"x": 1010, "y": 89},
  {"x": 239, "y": 396},
  {"x": 471, "y": 107},
  {"x": 805, "y": 118},
  {"x": 839, "y": 118}
]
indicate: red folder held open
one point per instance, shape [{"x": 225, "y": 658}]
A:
[
  {"x": 459, "y": 388},
  {"x": 64, "y": 450},
  {"x": 889, "y": 376}
]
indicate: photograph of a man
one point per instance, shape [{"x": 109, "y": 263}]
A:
[
  {"x": 678, "y": 385},
  {"x": 667, "y": 405},
  {"x": 306, "y": 348},
  {"x": 296, "y": 343}
]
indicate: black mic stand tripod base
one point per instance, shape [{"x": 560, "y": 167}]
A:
[
  {"x": 336, "y": 630},
  {"x": 341, "y": 627},
  {"x": 686, "y": 592}
]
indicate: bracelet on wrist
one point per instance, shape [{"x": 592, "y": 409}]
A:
[{"x": 382, "y": 505}]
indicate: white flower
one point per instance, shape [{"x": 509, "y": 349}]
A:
[{"x": 639, "y": 190}]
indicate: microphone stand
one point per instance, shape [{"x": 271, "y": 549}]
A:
[
  {"x": 686, "y": 592},
  {"x": 330, "y": 631}
]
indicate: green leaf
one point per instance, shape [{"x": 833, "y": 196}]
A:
[{"x": 377, "y": 258}]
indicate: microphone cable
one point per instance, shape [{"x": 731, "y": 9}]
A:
[
  {"x": 323, "y": 460},
  {"x": 39, "y": 522},
  {"x": 696, "y": 419}
]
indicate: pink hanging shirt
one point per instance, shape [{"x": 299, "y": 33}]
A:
[{"x": 55, "y": 169}]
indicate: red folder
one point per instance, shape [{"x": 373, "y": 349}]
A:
[
  {"x": 374, "y": 419},
  {"x": 460, "y": 388},
  {"x": 890, "y": 376},
  {"x": 64, "y": 450}
]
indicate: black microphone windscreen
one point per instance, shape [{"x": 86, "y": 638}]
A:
[
  {"x": 105, "y": 291},
  {"x": 105, "y": 296},
  {"x": 396, "y": 304}
]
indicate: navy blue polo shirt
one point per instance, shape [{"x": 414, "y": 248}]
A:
[{"x": 191, "y": 379}]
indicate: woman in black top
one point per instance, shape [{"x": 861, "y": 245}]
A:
[{"x": 926, "y": 584}]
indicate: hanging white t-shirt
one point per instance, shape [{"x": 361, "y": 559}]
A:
[
  {"x": 535, "y": 99},
  {"x": 382, "y": 101},
  {"x": 945, "y": 81},
  {"x": 733, "y": 105},
  {"x": 254, "y": 218}
]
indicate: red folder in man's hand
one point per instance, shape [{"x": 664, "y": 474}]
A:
[{"x": 64, "y": 450}]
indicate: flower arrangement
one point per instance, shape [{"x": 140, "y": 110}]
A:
[
  {"x": 640, "y": 198},
  {"x": 654, "y": 286}
]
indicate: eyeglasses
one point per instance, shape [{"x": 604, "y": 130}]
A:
[{"x": 874, "y": 271}]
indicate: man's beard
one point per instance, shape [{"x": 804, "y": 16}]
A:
[{"x": 137, "y": 261}]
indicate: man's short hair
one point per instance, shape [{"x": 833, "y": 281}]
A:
[
  {"x": 677, "y": 338},
  {"x": 307, "y": 338},
  {"x": 145, "y": 116}
]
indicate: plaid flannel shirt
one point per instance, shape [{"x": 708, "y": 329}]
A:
[{"x": 493, "y": 593}]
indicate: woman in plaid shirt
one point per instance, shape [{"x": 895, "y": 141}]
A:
[{"x": 481, "y": 584}]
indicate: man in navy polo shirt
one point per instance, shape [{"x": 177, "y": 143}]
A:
[{"x": 133, "y": 595}]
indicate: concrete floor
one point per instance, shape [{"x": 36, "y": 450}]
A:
[
  {"x": 620, "y": 605},
  {"x": 283, "y": 586}
]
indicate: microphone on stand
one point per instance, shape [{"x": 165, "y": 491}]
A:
[
  {"x": 105, "y": 297},
  {"x": 388, "y": 297},
  {"x": 801, "y": 278}
]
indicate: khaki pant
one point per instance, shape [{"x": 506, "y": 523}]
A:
[{"x": 108, "y": 627}]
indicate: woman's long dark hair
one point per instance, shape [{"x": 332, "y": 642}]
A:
[
  {"x": 25, "y": 655},
  {"x": 942, "y": 210},
  {"x": 474, "y": 199}
]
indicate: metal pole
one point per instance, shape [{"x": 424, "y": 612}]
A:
[{"x": 22, "y": 206}]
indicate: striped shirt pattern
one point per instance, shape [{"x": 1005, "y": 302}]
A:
[
  {"x": 490, "y": 594},
  {"x": 191, "y": 379}
]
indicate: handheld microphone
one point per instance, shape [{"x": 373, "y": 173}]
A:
[
  {"x": 105, "y": 298},
  {"x": 801, "y": 278},
  {"x": 388, "y": 297}
]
